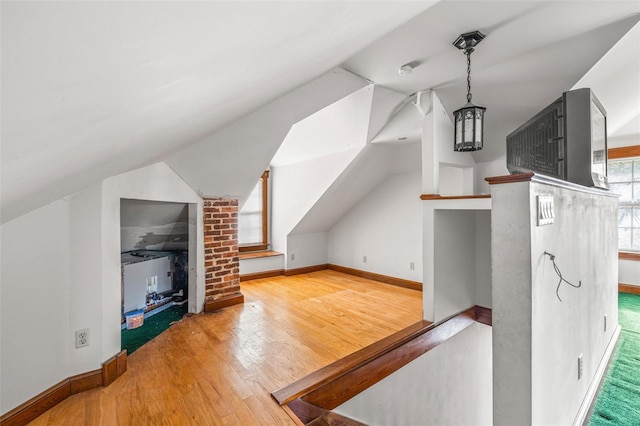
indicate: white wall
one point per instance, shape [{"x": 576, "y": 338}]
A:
[
  {"x": 297, "y": 187},
  {"x": 61, "y": 273},
  {"x": 211, "y": 165},
  {"x": 486, "y": 169},
  {"x": 306, "y": 249},
  {"x": 386, "y": 227},
  {"x": 85, "y": 285},
  {"x": 457, "y": 258},
  {"x": 462, "y": 264},
  {"x": 155, "y": 183},
  {"x": 425, "y": 393},
  {"x": 261, "y": 264},
  {"x": 35, "y": 275},
  {"x": 437, "y": 149},
  {"x": 341, "y": 126},
  {"x": 629, "y": 272},
  {"x": 536, "y": 337}
]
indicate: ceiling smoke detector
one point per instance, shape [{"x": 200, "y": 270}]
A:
[{"x": 406, "y": 69}]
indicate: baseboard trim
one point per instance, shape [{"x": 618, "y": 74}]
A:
[
  {"x": 114, "y": 367},
  {"x": 214, "y": 305},
  {"x": 628, "y": 288},
  {"x": 261, "y": 275},
  {"x": 86, "y": 381},
  {"x": 30, "y": 410},
  {"x": 589, "y": 398},
  {"x": 33, "y": 408},
  {"x": 305, "y": 270},
  {"x": 414, "y": 285}
]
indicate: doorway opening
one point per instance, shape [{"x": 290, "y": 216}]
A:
[{"x": 155, "y": 258}]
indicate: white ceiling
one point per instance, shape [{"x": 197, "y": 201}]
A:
[
  {"x": 93, "y": 89},
  {"x": 533, "y": 51}
]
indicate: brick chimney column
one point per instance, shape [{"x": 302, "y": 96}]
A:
[{"x": 222, "y": 267}]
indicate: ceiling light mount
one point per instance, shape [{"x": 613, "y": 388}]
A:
[
  {"x": 469, "y": 120},
  {"x": 468, "y": 41}
]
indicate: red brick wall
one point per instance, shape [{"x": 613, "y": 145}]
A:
[{"x": 222, "y": 267}]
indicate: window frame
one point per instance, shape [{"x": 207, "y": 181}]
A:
[
  {"x": 264, "y": 244},
  {"x": 625, "y": 153}
]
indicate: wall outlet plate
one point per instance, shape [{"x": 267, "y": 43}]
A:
[
  {"x": 580, "y": 367},
  {"x": 82, "y": 338},
  {"x": 546, "y": 214}
]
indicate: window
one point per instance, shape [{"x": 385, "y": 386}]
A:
[
  {"x": 252, "y": 218},
  {"x": 624, "y": 179}
]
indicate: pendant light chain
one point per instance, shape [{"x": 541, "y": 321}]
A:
[
  {"x": 468, "y": 121},
  {"x": 468, "y": 53}
]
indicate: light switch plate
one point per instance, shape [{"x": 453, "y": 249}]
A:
[{"x": 546, "y": 213}]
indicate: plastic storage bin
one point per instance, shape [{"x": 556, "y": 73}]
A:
[{"x": 134, "y": 319}]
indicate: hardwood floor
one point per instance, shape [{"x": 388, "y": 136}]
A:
[{"x": 220, "y": 368}]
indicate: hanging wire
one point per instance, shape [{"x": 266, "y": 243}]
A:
[{"x": 553, "y": 259}]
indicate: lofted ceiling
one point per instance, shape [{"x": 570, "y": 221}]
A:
[
  {"x": 93, "y": 89},
  {"x": 533, "y": 51}
]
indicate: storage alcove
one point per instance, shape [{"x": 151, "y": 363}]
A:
[{"x": 457, "y": 249}]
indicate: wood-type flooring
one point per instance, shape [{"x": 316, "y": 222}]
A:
[{"x": 220, "y": 368}]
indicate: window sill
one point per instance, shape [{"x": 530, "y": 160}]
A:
[
  {"x": 258, "y": 254},
  {"x": 629, "y": 255}
]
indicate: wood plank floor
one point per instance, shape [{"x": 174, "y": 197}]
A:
[{"x": 220, "y": 368}]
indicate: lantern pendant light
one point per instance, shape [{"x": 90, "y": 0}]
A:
[{"x": 468, "y": 120}]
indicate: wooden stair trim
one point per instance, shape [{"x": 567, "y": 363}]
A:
[
  {"x": 330, "y": 372},
  {"x": 518, "y": 177},
  {"x": 333, "y": 384},
  {"x": 310, "y": 415},
  {"x": 348, "y": 385},
  {"x": 427, "y": 197}
]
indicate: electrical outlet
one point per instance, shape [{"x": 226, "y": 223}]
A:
[
  {"x": 579, "y": 366},
  {"x": 82, "y": 338},
  {"x": 293, "y": 256},
  {"x": 364, "y": 259},
  {"x": 412, "y": 265}
]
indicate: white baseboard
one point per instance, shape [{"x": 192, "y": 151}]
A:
[{"x": 595, "y": 383}]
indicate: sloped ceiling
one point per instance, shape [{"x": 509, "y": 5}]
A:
[
  {"x": 533, "y": 51},
  {"x": 93, "y": 89}
]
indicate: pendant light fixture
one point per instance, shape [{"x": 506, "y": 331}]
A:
[{"x": 468, "y": 120}]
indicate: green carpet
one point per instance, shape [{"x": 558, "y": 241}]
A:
[
  {"x": 619, "y": 399},
  {"x": 131, "y": 340}
]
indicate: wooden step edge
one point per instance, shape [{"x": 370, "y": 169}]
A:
[
  {"x": 343, "y": 367},
  {"x": 341, "y": 389},
  {"x": 330, "y": 372},
  {"x": 303, "y": 413}
]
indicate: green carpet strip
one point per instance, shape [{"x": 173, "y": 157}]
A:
[
  {"x": 619, "y": 398},
  {"x": 131, "y": 340}
]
